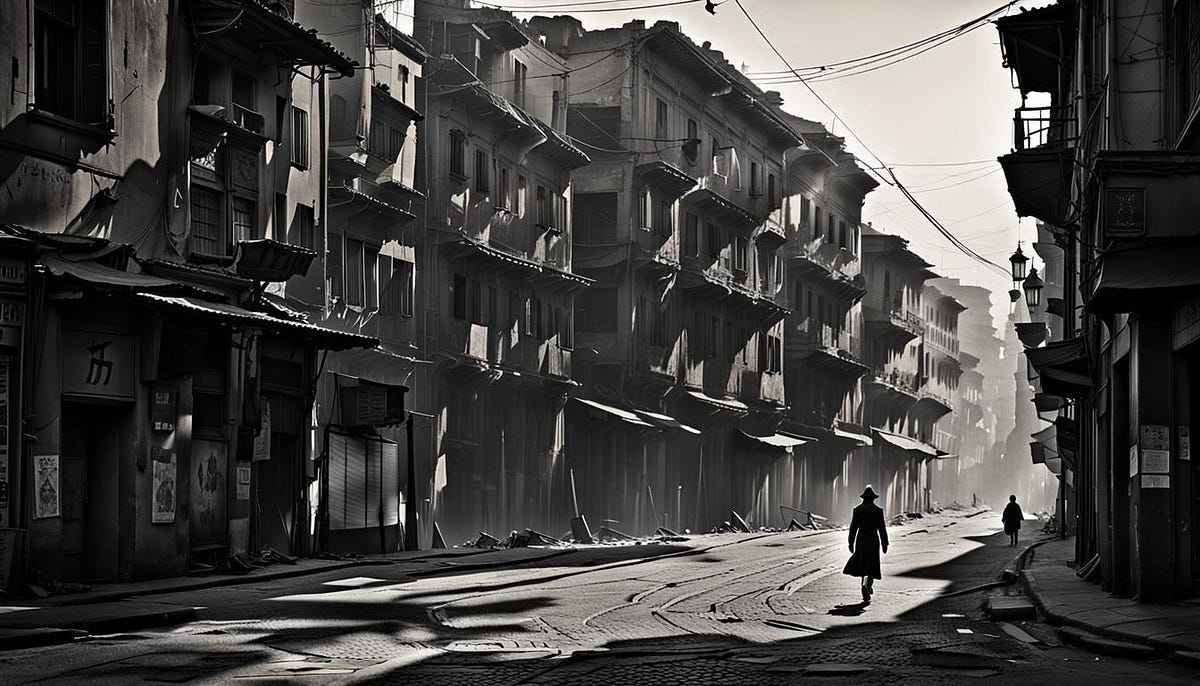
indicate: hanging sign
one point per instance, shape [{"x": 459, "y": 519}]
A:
[{"x": 97, "y": 364}]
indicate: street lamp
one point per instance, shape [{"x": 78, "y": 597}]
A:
[
  {"x": 1033, "y": 289},
  {"x": 1018, "y": 261}
]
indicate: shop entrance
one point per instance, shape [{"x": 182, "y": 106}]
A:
[{"x": 90, "y": 462}]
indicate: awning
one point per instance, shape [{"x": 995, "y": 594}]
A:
[
  {"x": 1031, "y": 334},
  {"x": 666, "y": 421},
  {"x": 325, "y": 339},
  {"x": 730, "y": 405},
  {"x": 1146, "y": 272},
  {"x": 1062, "y": 367},
  {"x": 860, "y": 439},
  {"x": 94, "y": 274},
  {"x": 907, "y": 444},
  {"x": 779, "y": 440},
  {"x": 1044, "y": 402},
  {"x": 1035, "y": 43},
  {"x": 623, "y": 415}
]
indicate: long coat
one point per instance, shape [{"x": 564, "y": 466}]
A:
[
  {"x": 1012, "y": 518},
  {"x": 867, "y": 532}
]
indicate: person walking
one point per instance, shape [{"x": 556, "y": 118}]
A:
[
  {"x": 1012, "y": 519},
  {"x": 867, "y": 535}
]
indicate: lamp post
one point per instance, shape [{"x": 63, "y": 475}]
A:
[{"x": 1018, "y": 261}]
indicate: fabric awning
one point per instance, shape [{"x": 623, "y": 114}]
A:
[
  {"x": 1031, "y": 334},
  {"x": 95, "y": 274},
  {"x": 731, "y": 405},
  {"x": 779, "y": 440},
  {"x": 907, "y": 444},
  {"x": 325, "y": 339},
  {"x": 1044, "y": 402},
  {"x": 1124, "y": 281},
  {"x": 1062, "y": 367},
  {"x": 861, "y": 439},
  {"x": 667, "y": 421},
  {"x": 623, "y": 415}
]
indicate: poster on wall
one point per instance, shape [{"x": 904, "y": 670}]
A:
[
  {"x": 45, "y": 477},
  {"x": 243, "y": 482},
  {"x": 164, "y": 487},
  {"x": 262, "y": 442}
]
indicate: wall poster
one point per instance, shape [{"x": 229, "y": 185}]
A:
[
  {"x": 243, "y": 482},
  {"x": 45, "y": 477},
  {"x": 164, "y": 486}
]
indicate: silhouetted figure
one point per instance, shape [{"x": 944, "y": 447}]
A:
[
  {"x": 867, "y": 534},
  {"x": 1012, "y": 519}
]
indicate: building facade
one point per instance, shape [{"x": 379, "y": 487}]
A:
[{"x": 155, "y": 184}]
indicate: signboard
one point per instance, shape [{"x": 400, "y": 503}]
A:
[
  {"x": 97, "y": 364},
  {"x": 46, "y": 483},
  {"x": 162, "y": 409},
  {"x": 262, "y": 442},
  {"x": 1156, "y": 462},
  {"x": 13, "y": 270},
  {"x": 243, "y": 482},
  {"x": 165, "y": 486},
  {"x": 1156, "y": 481},
  {"x": 1155, "y": 437},
  {"x": 1185, "y": 442},
  {"x": 1133, "y": 461},
  {"x": 12, "y": 318},
  {"x": 372, "y": 404},
  {"x": 1124, "y": 212}
]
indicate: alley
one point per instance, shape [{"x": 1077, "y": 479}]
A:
[{"x": 760, "y": 608}]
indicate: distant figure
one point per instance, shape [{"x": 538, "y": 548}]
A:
[
  {"x": 867, "y": 534},
  {"x": 1012, "y": 519}
]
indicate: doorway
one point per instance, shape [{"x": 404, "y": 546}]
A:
[{"x": 91, "y": 439}]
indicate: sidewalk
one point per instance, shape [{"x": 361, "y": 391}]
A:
[{"x": 1099, "y": 619}]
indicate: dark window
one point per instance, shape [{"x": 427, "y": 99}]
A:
[
  {"x": 842, "y": 234},
  {"x": 371, "y": 276},
  {"x": 475, "y": 301},
  {"x": 245, "y": 103},
  {"x": 207, "y": 225},
  {"x": 482, "y": 182},
  {"x": 755, "y": 187},
  {"x": 829, "y": 228},
  {"x": 691, "y": 235},
  {"x": 662, "y": 127},
  {"x": 70, "y": 60},
  {"x": 664, "y": 225},
  {"x": 458, "y": 153},
  {"x": 299, "y": 137},
  {"x": 596, "y": 310},
  {"x": 519, "y": 72},
  {"x": 244, "y": 211},
  {"x": 522, "y": 192},
  {"x": 645, "y": 210},
  {"x": 459, "y": 291},
  {"x": 712, "y": 237},
  {"x": 773, "y": 200},
  {"x": 594, "y": 217},
  {"x": 505, "y": 190},
  {"x": 281, "y": 230},
  {"x": 740, "y": 247},
  {"x": 303, "y": 230},
  {"x": 398, "y": 293},
  {"x": 355, "y": 259},
  {"x": 691, "y": 148},
  {"x": 544, "y": 217}
]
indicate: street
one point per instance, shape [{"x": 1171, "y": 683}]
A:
[{"x": 726, "y": 609}]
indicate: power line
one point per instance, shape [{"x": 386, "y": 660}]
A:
[
  {"x": 550, "y": 8},
  {"x": 894, "y": 181}
]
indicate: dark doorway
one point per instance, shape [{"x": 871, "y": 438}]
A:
[{"x": 91, "y": 440}]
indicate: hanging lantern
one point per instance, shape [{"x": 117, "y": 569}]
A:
[
  {"x": 1018, "y": 261},
  {"x": 1033, "y": 288}
]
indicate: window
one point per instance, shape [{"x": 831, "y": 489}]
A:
[
  {"x": 842, "y": 234},
  {"x": 70, "y": 60},
  {"x": 458, "y": 153},
  {"x": 645, "y": 210},
  {"x": 475, "y": 301},
  {"x": 207, "y": 225},
  {"x": 505, "y": 190},
  {"x": 662, "y": 129},
  {"x": 244, "y": 210},
  {"x": 245, "y": 102},
  {"x": 691, "y": 147},
  {"x": 303, "y": 229},
  {"x": 691, "y": 235},
  {"x": 740, "y": 247},
  {"x": 224, "y": 196},
  {"x": 693, "y": 130},
  {"x": 522, "y": 193},
  {"x": 398, "y": 293},
  {"x": 566, "y": 335},
  {"x": 371, "y": 276},
  {"x": 805, "y": 212},
  {"x": 755, "y": 186},
  {"x": 829, "y": 228},
  {"x": 482, "y": 182},
  {"x": 664, "y": 223},
  {"x": 774, "y": 361},
  {"x": 596, "y": 310},
  {"x": 404, "y": 83},
  {"x": 395, "y": 143},
  {"x": 354, "y": 291},
  {"x": 459, "y": 293},
  {"x": 280, "y": 231},
  {"x": 299, "y": 137},
  {"x": 712, "y": 238},
  {"x": 544, "y": 217},
  {"x": 519, "y": 72},
  {"x": 773, "y": 200}
]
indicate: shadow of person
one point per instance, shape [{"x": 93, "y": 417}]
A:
[{"x": 849, "y": 609}]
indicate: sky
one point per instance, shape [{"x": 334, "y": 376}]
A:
[{"x": 952, "y": 104}]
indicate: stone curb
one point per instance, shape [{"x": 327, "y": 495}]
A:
[{"x": 66, "y": 632}]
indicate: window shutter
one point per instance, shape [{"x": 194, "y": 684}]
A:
[{"x": 94, "y": 82}]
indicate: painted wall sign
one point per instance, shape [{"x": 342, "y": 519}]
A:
[
  {"x": 13, "y": 270},
  {"x": 1185, "y": 442},
  {"x": 97, "y": 364},
  {"x": 163, "y": 408},
  {"x": 46, "y": 485},
  {"x": 1124, "y": 211},
  {"x": 1156, "y": 462},
  {"x": 1156, "y": 481},
  {"x": 243, "y": 482},
  {"x": 165, "y": 486}
]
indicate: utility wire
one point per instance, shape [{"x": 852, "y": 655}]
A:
[
  {"x": 890, "y": 179},
  {"x": 550, "y": 8}
]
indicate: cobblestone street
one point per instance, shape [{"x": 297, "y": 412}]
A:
[{"x": 725, "y": 609}]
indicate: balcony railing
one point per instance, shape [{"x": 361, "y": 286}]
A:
[
  {"x": 907, "y": 320},
  {"x": 905, "y": 381},
  {"x": 1034, "y": 127}
]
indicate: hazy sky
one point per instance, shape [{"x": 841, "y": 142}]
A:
[{"x": 951, "y": 104}]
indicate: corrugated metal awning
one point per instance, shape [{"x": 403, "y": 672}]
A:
[
  {"x": 624, "y": 415},
  {"x": 907, "y": 444},
  {"x": 779, "y": 440}
]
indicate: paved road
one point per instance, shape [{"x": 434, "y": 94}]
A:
[{"x": 733, "y": 609}]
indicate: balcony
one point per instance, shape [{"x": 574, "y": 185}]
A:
[
  {"x": 1038, "y": 45},
  {"x": 931, "y": 404},
  {"x": 241, "y": 24},
  {"x": 1036, "y": 127},
  {"x": 714, "y": 195},
  {"x": 891, "y": 384},
  {"x": 894, "y": 328},
  {"x": 833, "y": 266},
  {"x": 824, "y": 346}
]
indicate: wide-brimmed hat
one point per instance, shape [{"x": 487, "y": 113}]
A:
[{"x": 868, "y": 494}]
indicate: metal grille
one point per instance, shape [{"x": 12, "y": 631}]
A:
[{"x": 206, "y": 220}]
